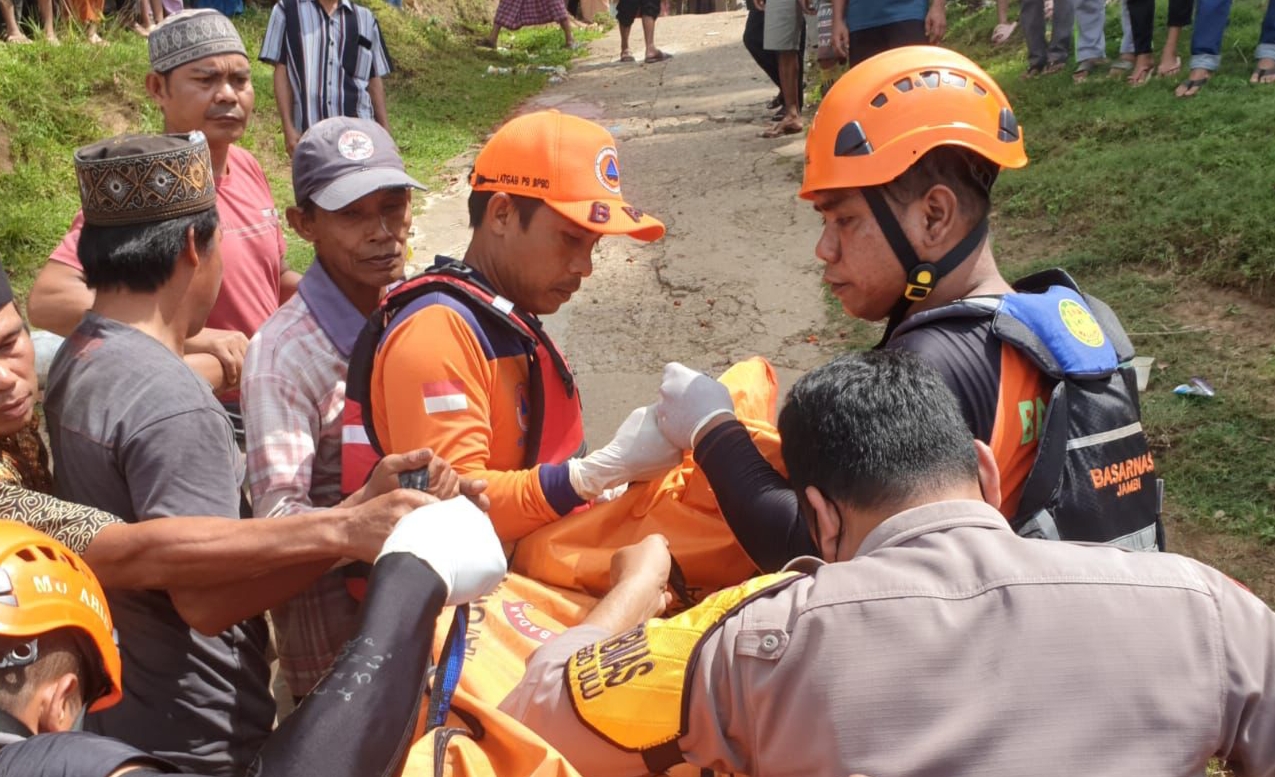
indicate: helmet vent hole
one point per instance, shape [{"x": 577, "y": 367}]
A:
[
  {"x": 48, "y": 553},
  {"x": 851, "y": 141},
  {"x": 955, "y": 79},
  {"x": 931, "y": 79},
  {"x": 979, "y": 90},
  {"x": 903, "y": 84},
  {"x": 879, "y": 100},
  {"x": 26, "y": 554}
]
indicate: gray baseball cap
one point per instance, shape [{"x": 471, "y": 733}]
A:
[{"x": 341, "y": 159}]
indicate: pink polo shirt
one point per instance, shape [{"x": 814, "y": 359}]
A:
[{"x": 252, "y": 246}]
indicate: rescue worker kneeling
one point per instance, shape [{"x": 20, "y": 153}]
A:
[
  {"x": 933, "y": 641},
  {"x": 59, "y": 657}
]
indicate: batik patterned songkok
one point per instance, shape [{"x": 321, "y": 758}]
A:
[
  {"x": 140, "y": 179},
  {"x": 191, "y": 35}
]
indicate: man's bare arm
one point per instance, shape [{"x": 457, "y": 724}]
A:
[{"x": 58, "y": 298}]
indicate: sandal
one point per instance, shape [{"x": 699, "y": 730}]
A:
[
  {"x": 1086, "y": 66},
  {"x": 658, "y": 56},
  {"x": 1191, "y": 87},
  {"x": 1173, "y": 69},
  {"x": 1263, "y": 75},
  {"x": 1141, "y": 74},
  {"x": 1053, "y": 67},
  {"x": 1120, "y": 68},
  {"x": 783, "y": 128},
  {"x": 1032, "y": 71}
]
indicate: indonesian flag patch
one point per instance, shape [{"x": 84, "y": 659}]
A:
[{"x": 444, "y": 396}]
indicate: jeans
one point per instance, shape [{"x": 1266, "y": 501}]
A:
[
  {"x": 1211, "y": 19},
  {"x": 1091, "y": 39}
]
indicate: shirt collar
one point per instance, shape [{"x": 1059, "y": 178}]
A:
[
  {"x": 336, "y": 315},
  {"x": 909, "y": 524},
  {"x": 343, "y": 4}
]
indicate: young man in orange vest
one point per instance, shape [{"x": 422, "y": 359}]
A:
[{"x": 460, "y": 362}]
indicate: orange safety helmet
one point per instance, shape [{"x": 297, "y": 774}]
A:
[
  {"x": 45, "y": 586},
  {"x": 891, "y": 109}
]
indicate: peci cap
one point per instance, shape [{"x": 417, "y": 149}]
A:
[
  {"x": 341, "y": 159},
  {"x": 190, "y": 35},
  {"x": 568, "y": 162},
  {"x": 140, "y": 179}
]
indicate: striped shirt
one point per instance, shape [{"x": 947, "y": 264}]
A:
[
  {"x": 330, "y": 59},
  {"x": 293, "y": 395}
]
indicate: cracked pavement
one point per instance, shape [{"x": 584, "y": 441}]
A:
[{"x": 735, "y": 275}]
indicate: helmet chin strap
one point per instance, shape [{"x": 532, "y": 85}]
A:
[{"x": 922, "y": 276}]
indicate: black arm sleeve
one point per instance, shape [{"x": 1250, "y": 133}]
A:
[
  {"x": 759, "y": 505},
  {"x": 360, "y": 719}
]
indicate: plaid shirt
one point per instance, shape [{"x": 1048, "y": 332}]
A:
[{"x": 293, "y": 395}]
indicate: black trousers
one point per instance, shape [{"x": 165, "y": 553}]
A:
[
  {"x": 1142, "y": 20},
  {"x": 768, "y": 61}
]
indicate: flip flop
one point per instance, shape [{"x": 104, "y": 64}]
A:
[
  {"x": 660, "y": 56},
  {"x": 1120, "y": 68},
  {"x": 1188, "y": 85},
  {"x": 1086, "y": 66},
  {"x": 1172, "y": 70},
  {"x": 1262, "y": 75},
  {"x": 782, "y": 128},
  {"x": 627, "y": 58}
]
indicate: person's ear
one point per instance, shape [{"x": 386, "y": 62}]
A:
[
  {"x": 301, "y": 223},
  {"x": 827, "y": 523},
  {"x": 500, "y": 214},
  {"x": 60, "y": 702},
  {"x": 989, "y": 474},
  {"x": 156, "y": 88},
  {"x": 940, "y": 213},
  {"x": 190, "y": 250}
]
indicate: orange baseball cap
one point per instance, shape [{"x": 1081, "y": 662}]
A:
[{"x": 569, "y": 163}]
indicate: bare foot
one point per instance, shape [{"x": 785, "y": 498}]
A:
[
  {"x": 51, "y": 38},
  {"x": 16, "y": 37},
  {"x": 1195, "y": 81},
  {"x": 1170, "y": 64},
  {"x": 96, "y": 39},
  {"x": 1264, "y": 73},
  {"x": 142, "y": 29},
  {"x": 790, "y": 125}
]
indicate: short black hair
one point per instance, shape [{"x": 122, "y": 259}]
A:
[
  {"x": 969, "y": 174},
  {"x": 61, "y": 651},
  {"x": 526, "y": 207},
  {"x": 875, "y": 428},
  {"x": 140, "y": 257}
]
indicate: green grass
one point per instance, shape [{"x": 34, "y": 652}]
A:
[
  {"x": 1122, "y": 176},
  {"x": 53, "y": 100}
]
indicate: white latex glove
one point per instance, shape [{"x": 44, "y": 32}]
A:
[
  {"x": 456, "y": 539},
  {"x": 637, "y": 452},
  {"x": 688, "y": 401}
]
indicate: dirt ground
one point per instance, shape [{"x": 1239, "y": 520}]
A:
[{"x": 736, "y": 274}]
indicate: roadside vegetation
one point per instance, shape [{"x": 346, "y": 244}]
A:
[{"x": 55, "y": 99}]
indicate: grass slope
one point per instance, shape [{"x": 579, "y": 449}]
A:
[{"x": 53, "y": 100}]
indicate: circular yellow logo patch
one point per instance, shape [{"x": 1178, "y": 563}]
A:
[{"x": 1080, "y": 323}]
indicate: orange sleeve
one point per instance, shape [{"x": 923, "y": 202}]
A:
[{"x": 432, "y": 386}]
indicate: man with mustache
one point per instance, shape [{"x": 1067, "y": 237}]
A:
[
  {"x": 354, "y": 205},
  {"x": 201, "y": 80},
  {"x": 462, "y": 364}
]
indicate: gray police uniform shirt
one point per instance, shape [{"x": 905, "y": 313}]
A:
[
  {"x": 951, "y": 647},
  {"x": 136, "y": 433}
]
